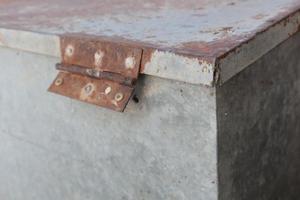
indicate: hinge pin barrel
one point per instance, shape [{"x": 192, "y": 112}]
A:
[{"x": 93, "y": 73}]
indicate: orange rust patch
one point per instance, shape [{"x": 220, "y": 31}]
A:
[
  {"x": 92, "y": 91},
  {"x": 93, "y": 52},
  {"x": 147, "y": 53}
]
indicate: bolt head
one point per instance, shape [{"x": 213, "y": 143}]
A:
[
  {"x": 88, "y": 89},
  {"x": 108, "y": 90},
  {"x": 119, "y": 97},
  {"x": 59, "y": 81},
  {"x": 69, "y": 51}
]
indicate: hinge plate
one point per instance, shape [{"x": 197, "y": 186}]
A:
[
  {"x": 97, "y": 72},
  {"x": 100, "y": 92},
  {"x": 101, "y": 55}
]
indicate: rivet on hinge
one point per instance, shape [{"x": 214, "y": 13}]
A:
[
  {"x": 88, "y": 89},
  {"x": 119, "y": 97},
  {"x": 69, "y": 50},
  {"x": 59, "y": 81},
  {"x": 108, "y": 90}
]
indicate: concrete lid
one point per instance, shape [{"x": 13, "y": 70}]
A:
[{"x": 196, "y": 41}]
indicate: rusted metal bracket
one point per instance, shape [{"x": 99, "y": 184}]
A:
[{"x": 97, "y": 72}]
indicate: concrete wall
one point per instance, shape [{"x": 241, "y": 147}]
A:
[
  {"x": 51, "y": 147},
  {"x": 162, "y": 148},
  {"x": 259, "y": 128}
]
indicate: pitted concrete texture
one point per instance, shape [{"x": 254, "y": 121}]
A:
[
  {"x": 259, "y": 129},
  {"x": 51, "y": 147}
]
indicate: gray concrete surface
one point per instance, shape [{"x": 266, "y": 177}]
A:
[
  {"x": 259, "y": 128},
  {"x": 51, "y": 147}
]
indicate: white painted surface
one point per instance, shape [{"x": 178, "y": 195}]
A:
[{"x": 182, "y": 68}]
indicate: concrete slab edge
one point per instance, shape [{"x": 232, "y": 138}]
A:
[
  {"x": 171, "y": 65},
  {"x": 253, "y": 49}
]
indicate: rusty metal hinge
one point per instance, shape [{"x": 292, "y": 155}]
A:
[{"x": 97, "y": 72}]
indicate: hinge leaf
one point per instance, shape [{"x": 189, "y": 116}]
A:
[{"x": 99, "y": 92}]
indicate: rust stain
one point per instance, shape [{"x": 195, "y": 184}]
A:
[
  {"x": 222, "y": 47},
  {"x": 147, "y": 53},
  {"x": 93, "y": 91},
  {"x": 124, "y": 50},
  {"x": 39, "y": 12},
  {"x": 283, "y": 17},
  {"x": 211, "y": 49},
  {"x": 92, "y": 52},
  {"x": 97, "y": 71},
  {"x": 94, "y": 73}
]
